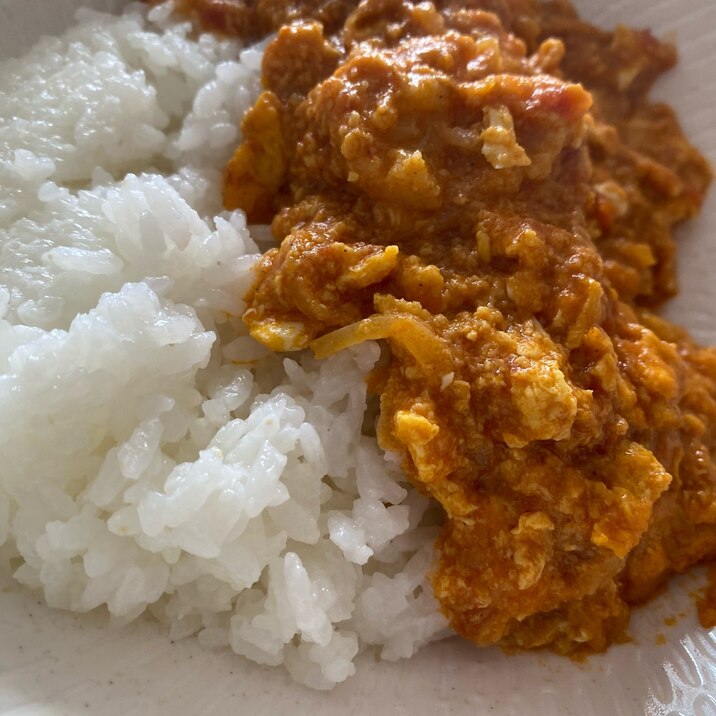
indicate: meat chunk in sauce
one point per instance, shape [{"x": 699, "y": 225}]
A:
[{"x": 439, "y": 178}]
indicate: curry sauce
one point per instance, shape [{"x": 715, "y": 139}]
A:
[{"x": 486, "y": 186}]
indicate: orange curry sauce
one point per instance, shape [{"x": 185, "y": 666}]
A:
[{"x": 486, "y": 186}]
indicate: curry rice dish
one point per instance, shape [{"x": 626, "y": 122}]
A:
[
  {"x": 476, "y": 200},
  {"x": 486, "y": 186}
]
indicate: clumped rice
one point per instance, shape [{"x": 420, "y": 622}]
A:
[{"x": 153, "y": 457}]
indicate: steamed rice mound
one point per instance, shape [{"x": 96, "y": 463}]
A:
[{"x": 155, "y": 459}]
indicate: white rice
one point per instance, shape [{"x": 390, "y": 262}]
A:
[{"x": 153, "y": 457}]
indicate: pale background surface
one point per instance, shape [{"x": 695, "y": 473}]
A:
[{"x": 58, "y": 663}]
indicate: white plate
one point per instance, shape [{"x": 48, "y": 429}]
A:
[{"x": 58, "y": 663}]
